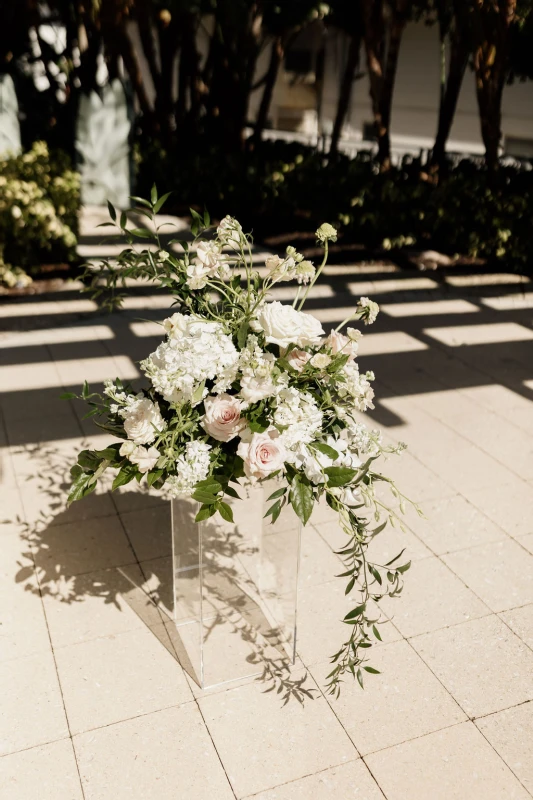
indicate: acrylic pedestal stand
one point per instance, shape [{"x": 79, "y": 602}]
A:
[{"x": 235, "y": 588}]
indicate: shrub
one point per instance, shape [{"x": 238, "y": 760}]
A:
[
  {"x": 281, "y": 185},
  {"x": 39, "y": 202}
]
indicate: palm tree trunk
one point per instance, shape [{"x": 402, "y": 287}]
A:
[{"x": 276, "y": 58}]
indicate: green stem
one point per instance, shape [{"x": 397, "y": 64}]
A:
[{"x": 317, "y": 275}]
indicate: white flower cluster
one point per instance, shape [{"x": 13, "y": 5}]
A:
[
  {"x": 195, "y": 351},
  {"x": 297, "y": 416},
  {"x": 142, "y": 420},
  {"x": 313, "y": 462},
  {"x": 368, "y": 310},
  {"x": 192, "y": 466},
  {"x": 357, "y": 386},
  {"x": 292, "y": 267},
  {"x": 229, "y": 233},
  {"x": 144, "y": 457},
  {"x": 208, "y": 262},
  {"x": 258, "y": 374}
]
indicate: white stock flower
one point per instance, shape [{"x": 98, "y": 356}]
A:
[
  {"x": 207, "y": 262},
  {"x": 127, "y": 448},
  {"x": 262, "y": 455},
  {"x": 144, "y": 458},
  {"x": 284, "y": 325},
  {"x": 280, "y": 269},
  {"x": 192, "y": 466},
  {"x": 357, "y": 386},
  {"x": 196, "y": 351},
  {"x": 354, "y": 334},
  {"x": 142, "y": 420},
  {"x": 222, "y": 419},
  {"x": 257, "y": 372}
]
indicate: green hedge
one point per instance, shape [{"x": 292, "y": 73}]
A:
[
  {"x": 287, "y": 186},
  {"x": 39, "y": 202}
]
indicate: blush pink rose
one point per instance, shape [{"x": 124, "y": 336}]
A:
[
  {"x": 222, "y": 418},
  {"x": 262, "y": 455},
  {"x": 339, "y": 343},
  {"x": 298, "y": 359}
]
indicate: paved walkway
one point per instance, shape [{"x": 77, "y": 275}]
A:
[{"x": 94, "y": 704}]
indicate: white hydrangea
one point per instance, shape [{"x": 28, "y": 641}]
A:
[
  {"x": 297, "y": 416},
  {"x": 196, "y": 351},
  {"x": 192, "y": 466}
]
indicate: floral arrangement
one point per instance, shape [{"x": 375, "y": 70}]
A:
[
  {"x": 243, "y": 388},
  {"x": 39, "y": 199}
]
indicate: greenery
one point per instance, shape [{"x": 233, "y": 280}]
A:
[
  {"x": 39, "y": 202},
  {"x": 283, "y": 186}
]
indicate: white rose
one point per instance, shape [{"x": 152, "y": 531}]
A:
[
  {"x": 284, "y": 325},
  {"x": 262, "y": 455},
  {"x": 222, "y": 418},
  {"x": 298, "y": 359},
  {"x": 145, "y": 458},
  {"x": 321, "y": 361},
  {"x": 176, "y": 325},
  {"x": 127, "y": 448},
  {"x": 143, "y": 420},
  {"x": 338, "y": 343}
]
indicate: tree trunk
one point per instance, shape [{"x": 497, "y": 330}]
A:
[
  {"x": 373, "y": 37},
  {"x": 492, "y": 30},
  {"x": 276, "y": 57},
  {"x": 345, "y": 92},
  {"x": 399, "y": 21},
  {"x": 450, "y": 96}
]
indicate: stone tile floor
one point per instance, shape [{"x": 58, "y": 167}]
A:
[{"x": 94, "y": 703}]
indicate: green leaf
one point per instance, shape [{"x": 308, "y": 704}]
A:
[
  {"x": 326, "y": 449},
  {"x": 277, "y": 493},
  {"x": 88, "y": 459},
  {"x": 161, "y": 201},
  {"x": 355, "y": 612},
  {"x": 126, "y": 474},
  {"x": 68, "y": 396},
  {"x": 76, "y": 471},
  {"x": 153, "y": 194},
  {"x": 80, "y": 488},
  {"x": 302, "y": 499},
  {"x": 141, "y": 233},
  {"x": 404, "y": 567},
  {"x": 375, "y": 574},
  {"x": 85, "y": 391},
  {"x": 350, "y": 585},
  {"x": 203, "y": 496},
  {"x": 372, "y": 670},
  {"x": 198, "y": 394},
  {"x": 111, "y": 452},
  {"x": 360, "y": 678},
  {"x": 207, "y": 218},
  {"x": 242, "y": 334},
  {"x": 395, "y": 557},
  {"x": 376, "y": 633},
  {"x": 112, "y": 212},
  {"x": 210, "y": 484},
  {"x": 225, "y": 511},
  {"x": 340, "y": 476},
  {"x": 229, "y": 490},
  {"x": 272, "y": 510},
  {"x": 205, "y": 512},
  {"x": 141, "y": 201},
  {"x": 153, "y": 476}
]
